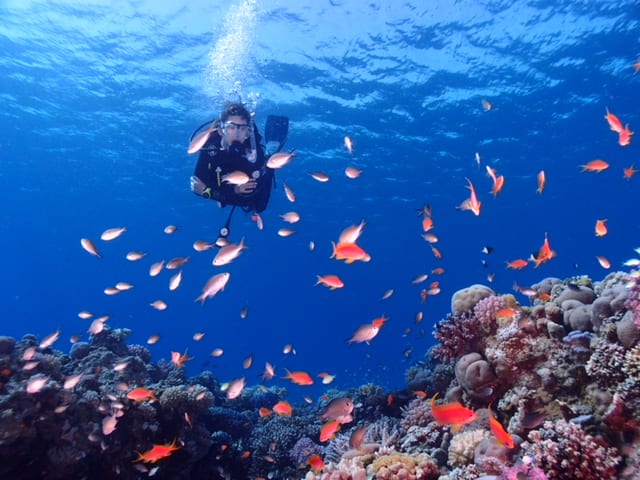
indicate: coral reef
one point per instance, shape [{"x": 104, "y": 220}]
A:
[{"x": 561, "y": 379}]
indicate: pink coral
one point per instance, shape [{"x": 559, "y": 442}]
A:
[
  {"x": 565, "y": 452},
  {"x": 485, "y": 310},
  {"x": 523, "y": 471}
]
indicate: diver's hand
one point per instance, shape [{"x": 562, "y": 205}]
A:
[
  {"x": 197, "y": 185},
  {"x": 246, "y": 188}
]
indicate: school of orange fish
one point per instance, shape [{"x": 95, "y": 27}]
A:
[{"x": 346, "y": 248}]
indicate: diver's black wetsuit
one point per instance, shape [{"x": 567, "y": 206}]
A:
[{"x": 215, "y": 162}]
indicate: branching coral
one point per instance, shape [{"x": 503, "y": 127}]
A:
[
  {"x": 457, "y": 334},
  {"x": 565, "y": 452}
]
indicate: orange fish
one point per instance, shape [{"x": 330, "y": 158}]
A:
[
  {"x": 601, "y": 228},
  {"x": 614, "y": 122},
  {"x": 498, "y": 181},
  {"x": 542, "y": 181},
  {"x": 624, "y": 137},
  {"x": 486, "y": 104},
  {"x": 472, "y": 203},
  {"x": 595, "y": 166},
  {"x": 517, "y": 264},
  {"x": 629, "y": 172},
  {"x": 179, "y": 359},
  {"x": 329, "y": 430},
  {"x": 349, "y": 252},
  {"x": 141, "y": 395},
  {"x": 545, "y": 254},
  {"x": 282, "y": 408},
  {"x": 427, "y": 224},
  {"x": 498, "y": 430},
  {"x": 157, "y": 453},
  {"x": 299, "y": 378},
  {"x": 264, "y": 412},
  {"x": 316, "y": 463},
  {"x": 436, "y": 252},
  {"x": 453, "y": 413},
  {"x": 506, "y": 313},
  {"x": 330, "y": 281}
]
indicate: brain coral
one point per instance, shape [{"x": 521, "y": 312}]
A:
[
  {"x": 407, "y": 467},
  {"x": 465, "y": 299}
]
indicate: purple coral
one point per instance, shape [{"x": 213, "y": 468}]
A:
[
  {"x": 457, "y": 334},
  {"x": 303, "y": 449},
  {"x": 632, "y": 302},
  {"x": 564, "y": 452},
  {"x": 523, "y": 471}
]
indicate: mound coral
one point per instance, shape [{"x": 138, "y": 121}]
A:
[{"x": 396, "y": 465}]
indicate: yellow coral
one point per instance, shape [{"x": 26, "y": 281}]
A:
[
  {"x": 399, "y": 465},
  {"x": 463, "y": 445}
]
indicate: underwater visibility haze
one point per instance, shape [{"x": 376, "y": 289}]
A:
[{"x": 464, "y": 135}]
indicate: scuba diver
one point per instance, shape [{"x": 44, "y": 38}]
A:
[{"x": 231, "y": 167}]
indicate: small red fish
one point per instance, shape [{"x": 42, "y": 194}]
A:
[
  {"x": 141, "y": 394},
  {"x": 299, "y": 378},
  {"x": 629, "y": 172},
  {"x": 596, "y": 165},
  {"x": 542, "y": 181},
  {"x": 624, "y": 137},
  {"x": 330, "y": 281},
  {"x": 316, "y": 463},
  {"x": 601, "y": 228},
  {"x": 453, "y": 413},
  {"x": 614, "y": 122},
  {"x": 545, "y": 254},
  {"x": 498, "y": 430},
  {"x": 329, "y": 430},
  {"x": 157, "y": 453},
  {"x": 517, "y": 264},
  {"x": 282, "y": 408},
  {"x": 349, "y": 252}
]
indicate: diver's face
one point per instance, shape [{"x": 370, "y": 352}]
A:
[{"x": 235, "y": 129}]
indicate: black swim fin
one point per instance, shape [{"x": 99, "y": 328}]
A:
[{"x": 275, "y": 133}]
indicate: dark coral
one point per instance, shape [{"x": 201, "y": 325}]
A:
[{"x": 457, "y": 335}]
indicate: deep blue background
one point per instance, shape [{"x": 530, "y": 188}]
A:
[{"x": 98, "y": 102}]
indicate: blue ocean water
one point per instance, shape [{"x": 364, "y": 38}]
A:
[{"x": 99, "y": 100}]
